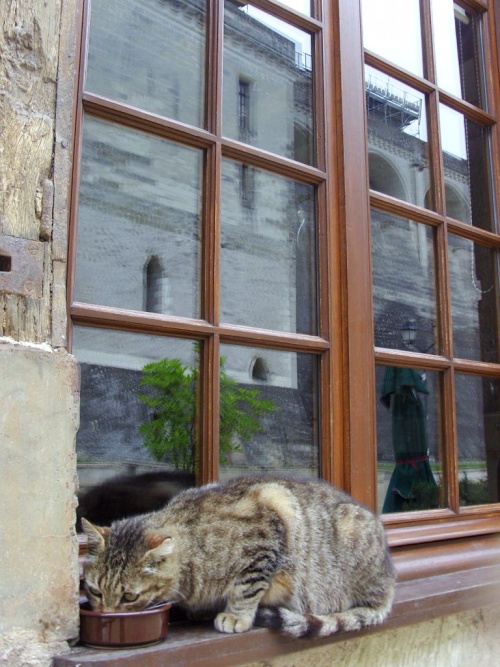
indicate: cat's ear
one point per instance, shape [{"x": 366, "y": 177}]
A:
[
  {"x": 96, "y": 536},
  {"x": 160, "y": 547}
]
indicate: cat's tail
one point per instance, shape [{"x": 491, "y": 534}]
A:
[{"x": 321, "y": 625}]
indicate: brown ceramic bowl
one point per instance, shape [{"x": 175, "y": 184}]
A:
[{"x": 123, "y": 629}]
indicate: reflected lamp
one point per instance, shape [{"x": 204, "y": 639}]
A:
[{"x": 409, "y": 331}]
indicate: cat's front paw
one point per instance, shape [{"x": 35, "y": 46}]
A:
[{"x": 229, "y": 623}]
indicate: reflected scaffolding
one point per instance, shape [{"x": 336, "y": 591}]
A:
[{"x": 398, "y": 151}]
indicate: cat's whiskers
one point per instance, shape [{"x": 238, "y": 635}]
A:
[{"x": 181, "y": 595}]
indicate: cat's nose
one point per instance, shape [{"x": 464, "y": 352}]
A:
[{"x": 108, "y": 606}]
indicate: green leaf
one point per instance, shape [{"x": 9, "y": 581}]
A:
[{"x": 170, "y": 392}]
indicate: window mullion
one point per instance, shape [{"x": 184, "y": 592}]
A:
[
  {"x": 427, "y": 39},
  {"x": 209, "y": 411},
  {"x": 213, "y": 87},
  {"x": 360, "y": 362}
]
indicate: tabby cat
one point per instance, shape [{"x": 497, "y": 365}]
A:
[{"x": 302, "y": 556}]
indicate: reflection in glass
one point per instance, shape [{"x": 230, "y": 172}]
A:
[
  {"x": 136, "y": 399},
  {"x": 287, "y": 437},
  {"x": 408, "y": 440},
  {"x": 268, "y": 251},
  {"x": 267, "y": 87},
  {"x": 397, "y": 138},
  {"x": 466, "y": 168},
  {"x": 457, "y": 45},
  {"x": 474, "y": 299},
  {"x": 478, "y": 425},
  {"x": 138, "y": 222},
  {"x": 391, "y": 29},
  {"x": 150, "y": 55},
  {"x": 303, "y": 6},
  {"x": 403, "y": 282}
]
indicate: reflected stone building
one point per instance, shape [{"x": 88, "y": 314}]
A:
[
  {"x": 404, "y": 284},
  {"x": 141, "y": 218}
]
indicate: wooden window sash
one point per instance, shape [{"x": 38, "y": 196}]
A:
[
  {"x": 347, "y": 397},
  {"x": 215, "y": 148},
  {"x": 435, "y": 521}
]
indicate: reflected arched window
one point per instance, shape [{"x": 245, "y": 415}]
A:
[
  {"x": 153, "y": 286},
  {"x": 260, "y": 370},
  {"x": 385, "y": 178},
  {"x": 457, "y": 205}
]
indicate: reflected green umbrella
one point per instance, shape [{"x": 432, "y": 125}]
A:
[{"x": 401, "y": 391}]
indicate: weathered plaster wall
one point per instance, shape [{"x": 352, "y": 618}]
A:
[
  {"x": 39, "y": 380},
  {"x": 39, "y": 392},
  {"x": 453, "y": 641},
  {"x": 37, "y": 53}
]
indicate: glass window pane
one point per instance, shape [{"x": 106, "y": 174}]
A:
[
  {"x": 398, "y": 151},
  {"x": 279, "y": 400},
  {"x": 457, "y": 45},
  {"x": 391, "y": 29},
  {"x": 303, "y": 6},
  {"x": 267, "y": 87},
  {"x": 150, "y": 55},
  {"x": 478, "y": 425},
  {"x": 465, "y": 147},
  {"x": 136, "y": 444},
  {"x": 268, "y": 250},
  {"x": 138, "y": 222},
  {"x": 474, "y": 299},
  {"x": 404, "y": 289},
  {"x": 410, "y": 475}
]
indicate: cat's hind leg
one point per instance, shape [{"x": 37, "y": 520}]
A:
[
  {"x": 316, "y": 625},
  {"x": 322, "y": 625}
]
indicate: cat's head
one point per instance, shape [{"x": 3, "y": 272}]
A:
[{"x": 129, "y": 567}]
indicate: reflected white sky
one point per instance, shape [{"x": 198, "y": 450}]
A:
[
  {"x": 445, "y": 45},
  {"x": 386, "y": 31},
  {"x": 302, "y": 39}
]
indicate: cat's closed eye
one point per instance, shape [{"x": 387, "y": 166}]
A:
[
  {"x": 129, "y": 597},
  {"x": 94, "y": 591}
]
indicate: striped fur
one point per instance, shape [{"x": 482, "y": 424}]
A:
[{"x": 301, "y": 556}]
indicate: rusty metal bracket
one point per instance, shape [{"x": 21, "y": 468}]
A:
[{"x": 21, "y": 266}]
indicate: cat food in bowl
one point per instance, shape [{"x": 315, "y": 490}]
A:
[{"x": 123, "y": 629}]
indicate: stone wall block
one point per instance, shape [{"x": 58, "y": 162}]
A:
[{"x": 39, "y": 395}]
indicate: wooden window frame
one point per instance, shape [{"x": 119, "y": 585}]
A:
[
  {"x": 452, "y": 535},
  {"x": 457, "y": 553},
  {"x": 445, "y": 363},
  {"x": 208, "y": 329}
]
